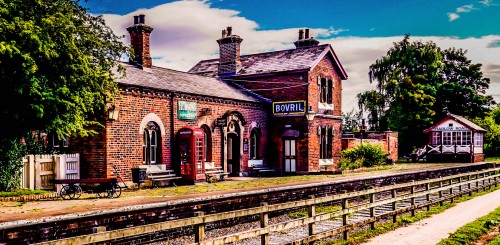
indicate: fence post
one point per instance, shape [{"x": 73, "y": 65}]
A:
[
  {"x": 460, "y": 186},
  {"x": 31, "y": 172},
  {"x": 477, "y": 182},
  {"x": 469, "y": 184},
  {"x": 345, "y": 217},
  {"x": 60, "y": 169},
  {"x": 312, "y": 213},
  {"x": 394, "y": 206},
  {"x": 264, "y": 222},
  {"x": 38, "y": 170},
  {"x": 440, "y": 192},
  {"x": 451, "y": 190},
  {"x": 413, "y": 198},
  {"x": 372, "y": 210},
  {"x": 199, "y": 229},
  {"x": 428, "y": 196}
]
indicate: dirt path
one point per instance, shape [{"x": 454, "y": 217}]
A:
[{"x": 432, "y": 230}]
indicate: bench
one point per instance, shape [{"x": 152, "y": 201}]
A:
[
  {"x": 162, "y": 175},
  {"x": 214, "y": 173},
  {"x": 258, "y": 168},
  {"x": 107, "y": 187}
]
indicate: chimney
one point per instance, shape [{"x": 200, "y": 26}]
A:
[
  {"x": 139, "y": 38},
  {"x": 229, "y": 50},
  {"x": 307, "y": 41}
]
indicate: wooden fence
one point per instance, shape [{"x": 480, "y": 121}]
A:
[
  {"x": 39, "y": 171},
  {"x": 427, "y": 192}
]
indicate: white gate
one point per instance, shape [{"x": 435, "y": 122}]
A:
[{"x": 39, "y": 171}]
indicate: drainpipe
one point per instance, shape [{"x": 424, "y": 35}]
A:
[{"x": 172, "y": 136}]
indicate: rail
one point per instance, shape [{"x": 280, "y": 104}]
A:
[{"x": 397, "y": 199}]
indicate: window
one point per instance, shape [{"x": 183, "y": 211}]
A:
[
  {"x": 150, "y": 148},
  {"x": 254, "y": 144},
  {"x": 446, "y": 138},
  {"x": 325, "y": 142},
  {"x": 57, "y": 144},
  {"x": 207, "y": 142},
  {"x": 457, "y": 138},
  {"x": 466, "y": 138},
  {"x": 325, "y": 93},
  {"x": 436, "y": 138},
  {"x": 478, "y": 137}
]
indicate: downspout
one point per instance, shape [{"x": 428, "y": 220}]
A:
[{"x": 172, "y": 136}]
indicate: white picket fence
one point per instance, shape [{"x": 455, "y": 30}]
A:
[{"x": 39, "y": 171}]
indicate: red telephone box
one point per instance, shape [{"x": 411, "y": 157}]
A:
[{"x": 191, "y": 148}]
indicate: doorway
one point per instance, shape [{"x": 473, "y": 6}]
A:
[
  {"x": 233, "y": 154},
  {"x": 290, "y": 155}
]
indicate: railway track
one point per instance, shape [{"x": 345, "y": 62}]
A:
[{"x": 355, "y": 210}]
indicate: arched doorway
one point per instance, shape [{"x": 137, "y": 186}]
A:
[
  {"x": 151, "y": 144},
  {"x": 233, "y": 148}
]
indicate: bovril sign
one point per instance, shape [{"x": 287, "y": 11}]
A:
[{"x": 289, "y": 107}]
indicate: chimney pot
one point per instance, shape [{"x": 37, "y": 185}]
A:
[
  {"x": 229, "y": 31},
  {"x": 301, "y": 34},
  {"x": 136, "y": 20},
  {"x": 142, "y": 19},
  {"x": 307, "y": 33}
]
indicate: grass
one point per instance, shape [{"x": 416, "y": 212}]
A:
[
  {"x": 319, "y": 209},
  {"x": 492, "y": 159},
  {"x": 363, "y": 236},
  {"x": 495, "y": 241},
  {"x": 268, "y": 182},
  {"x": 474, "y": 230},
  {"x": 23, "y": 192}
]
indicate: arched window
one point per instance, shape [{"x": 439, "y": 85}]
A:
[
  {"x": 207, "y": 141},
  {"x": 151, "y": 149},
  {"x": 254, "y": 144}
]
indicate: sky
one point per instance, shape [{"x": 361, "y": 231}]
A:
[{"x": 360, "y": 31}]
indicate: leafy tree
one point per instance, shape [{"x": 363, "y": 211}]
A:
[
  {"x": 491, "y": 123},
  {"x": 417, "y": 85},
  {"x": 57, "y": 68},
  {"x": 350, "y": 120}
]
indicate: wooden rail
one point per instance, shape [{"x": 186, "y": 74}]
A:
[{"x": 442, "y": 189}]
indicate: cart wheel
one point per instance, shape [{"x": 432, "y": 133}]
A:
[
  {"x": 77, "y": 191},
  {"x": 115, "y": 193},
  {"x": 70, "y": 192}
]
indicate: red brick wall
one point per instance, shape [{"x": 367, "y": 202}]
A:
[
  {"x": 140, "y": 43},
  {"x": 121, "y": 142}
]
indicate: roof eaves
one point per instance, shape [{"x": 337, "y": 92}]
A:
[{"x": 327, "y": 50}]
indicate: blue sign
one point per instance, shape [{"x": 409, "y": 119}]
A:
[{"x": 289, "y": 107}]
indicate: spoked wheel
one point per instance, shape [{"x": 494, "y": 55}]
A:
[
  {"x": 115, "y": 192},
  {"x": 70, "y": 192}
]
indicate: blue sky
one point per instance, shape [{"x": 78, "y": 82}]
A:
[{"x": 360, "y": 31}]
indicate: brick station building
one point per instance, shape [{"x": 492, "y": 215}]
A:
[{"x": 251, "y": 110}]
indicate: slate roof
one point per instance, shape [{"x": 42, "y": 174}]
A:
[
  {"x": 459, "y": 119},
  {"x": 271, "y": 62},
  {"x": 176, "y": 81}
]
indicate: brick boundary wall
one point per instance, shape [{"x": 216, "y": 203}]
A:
[{"x": 50, "y": 228}]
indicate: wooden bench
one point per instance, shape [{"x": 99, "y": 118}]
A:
[
  {"x": 259, "y": 169},
  {"x": 162, "y": 175},
  {"x": 107, "y": 187},
  {"x": 215, "y": 173}
]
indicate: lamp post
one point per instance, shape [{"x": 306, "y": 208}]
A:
[
  {"x": 362, "y": 130},
  {"x": 113, "y": 113},
  {"x": 310, "y": 114}
]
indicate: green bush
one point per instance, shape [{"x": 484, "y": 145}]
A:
[
  {"x": 366, "y": 155},
  {"x": 11, "y": 154}
]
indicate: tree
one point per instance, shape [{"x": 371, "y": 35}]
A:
[
  {"x": 417, "y": 85},
  {"x": 350, "y": 120},
  {"x": 491, "y": 123},
  {"x": 57, "y": 68}
]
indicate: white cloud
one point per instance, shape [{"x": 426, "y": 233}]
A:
[
  {"x": 186, "y": 32},
  {"x": 466, "y": 8},
  {"x": 453, "y": 16},
  {"x": 488, "y": 3}
]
